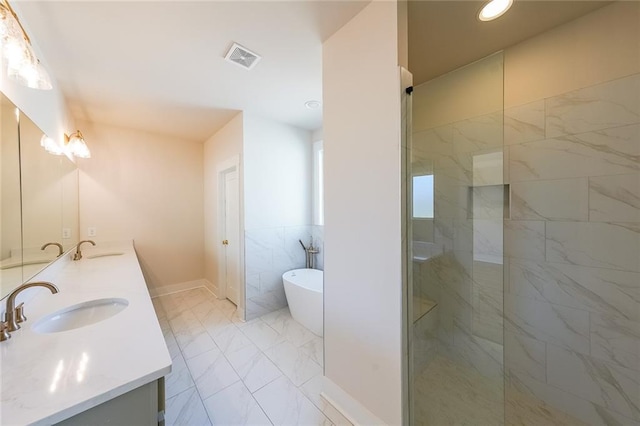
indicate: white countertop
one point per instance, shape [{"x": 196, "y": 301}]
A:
[{"x": 47, "y": 378}]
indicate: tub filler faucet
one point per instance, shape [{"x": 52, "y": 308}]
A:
[{"x": 310, "y": 251}]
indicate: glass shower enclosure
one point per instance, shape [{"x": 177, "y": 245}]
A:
[
  {"x": 458, "y": 206},
  {"x": 523, "y": 234}
]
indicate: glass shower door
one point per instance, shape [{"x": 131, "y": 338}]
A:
[{"x": 457, "y": 205}]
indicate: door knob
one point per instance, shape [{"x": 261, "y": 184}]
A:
[{"x": 225, "y": 242}]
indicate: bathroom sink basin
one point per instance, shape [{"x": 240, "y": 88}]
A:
[
  {"x": 80, "y": 315},
  {"x": 93, "y": 256}
]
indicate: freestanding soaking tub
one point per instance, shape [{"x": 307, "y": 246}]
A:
[{"x": 303, "y": 288}]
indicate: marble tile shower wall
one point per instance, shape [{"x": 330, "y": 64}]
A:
[
  {"x": 466, "y": 281},
  {"x": 270, "y": 252},
  {"x": 572, "y": 303}
]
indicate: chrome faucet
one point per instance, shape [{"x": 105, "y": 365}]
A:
[
  {"x": 14, "y": 315},
  {"x": 310, "y": 251},
  {"x": 78, "y": 254},
  {"x": 60, "y": 249}
]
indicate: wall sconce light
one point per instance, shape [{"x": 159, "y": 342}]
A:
[
  {"x": 22, "y": 63},
  {"x": 76, "y": 145},
  {"x": 51, "y": 146}
]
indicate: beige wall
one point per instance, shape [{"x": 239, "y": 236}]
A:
[
  {"x": 224, "y": 145},
  {"x": 149, "y": 188},
  {"x": 363, "y": 265}
]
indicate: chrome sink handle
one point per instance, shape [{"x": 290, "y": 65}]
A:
[{"x": 13, "y": 315}]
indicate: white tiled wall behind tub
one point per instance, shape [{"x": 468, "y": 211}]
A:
[
  {"x": 572, "y": 307},
  {"x": 270, "y": 252}
]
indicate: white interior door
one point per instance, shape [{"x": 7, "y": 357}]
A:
[{"x": 231, "y": 241}]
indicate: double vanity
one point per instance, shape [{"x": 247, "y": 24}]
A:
[
  {"x": 81, "y": 344},
  {"x": 93, "y": 353}
]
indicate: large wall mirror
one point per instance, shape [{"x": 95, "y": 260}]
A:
[{"x": 38, "y": 200}]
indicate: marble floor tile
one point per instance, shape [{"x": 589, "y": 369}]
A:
[
  {"x": 230, "y": 338},
  {"x": 194, "y": 342},
  {"x": 262, "y": 335},
  {"x": 314, "y": 348},
  {"x": 235, "y": 406},
  {"x": 215, "y": 323},
  {"x": 205, "y": 309},
  {"x": 253, "y": 367},
  {"x": 295, "y": 333},
  {"x": 172, "y": 345},
  {"x": 173, "y": 305},
  {"x": 195, "y": 296},
  {"x": 179, "y": 379},
  {"x": 294, "y": 362},
  {"x": 225, "y": 306},
  {"x": 186, "y": 409},
  {"x": 277, "y": 319},
  {"x": 211, "y": 372},
  {"x": 184, "y": 321},
  {"x": 219, "y": 360},
  {"x": 284, "y": 404}
]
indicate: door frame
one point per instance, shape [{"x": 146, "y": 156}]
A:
[{"x": 230, "y": 165}]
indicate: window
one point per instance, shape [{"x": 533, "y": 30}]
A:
[
  {"x": 423, "y": 197},
  {"x": 318, "y": 183}
]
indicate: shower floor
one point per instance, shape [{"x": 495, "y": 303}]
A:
[{"x": 447, "y": 393}]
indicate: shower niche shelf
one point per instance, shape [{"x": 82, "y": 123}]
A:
[{"x": 488, "y": 201}]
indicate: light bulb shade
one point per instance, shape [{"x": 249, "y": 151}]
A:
[
  {"x": 15, "y": 50},
  {"x": 76, "y": 145},
  {"x": 9, "y": 27},
  {"x": 51, "y": 146},
  {"x": 22, "y": 63},
  {"x": 31, "y": 74}
]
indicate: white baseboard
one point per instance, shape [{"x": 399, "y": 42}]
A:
[
  {"x": 351, "y": 409},
  {"x": 211, "y": 287},
  {"x": 174, "y": 288}
]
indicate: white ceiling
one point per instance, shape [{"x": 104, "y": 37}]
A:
[{"x": 158, "y": 65}]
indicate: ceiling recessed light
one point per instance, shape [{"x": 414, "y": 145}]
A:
[
  {"x": 494, "y": 9},
  {"x": 312, "y": 104}
]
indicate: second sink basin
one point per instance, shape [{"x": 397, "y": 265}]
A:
[{"x": 80, "y": 315}]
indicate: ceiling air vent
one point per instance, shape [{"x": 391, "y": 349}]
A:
[{"x": 242, "y": 57}]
